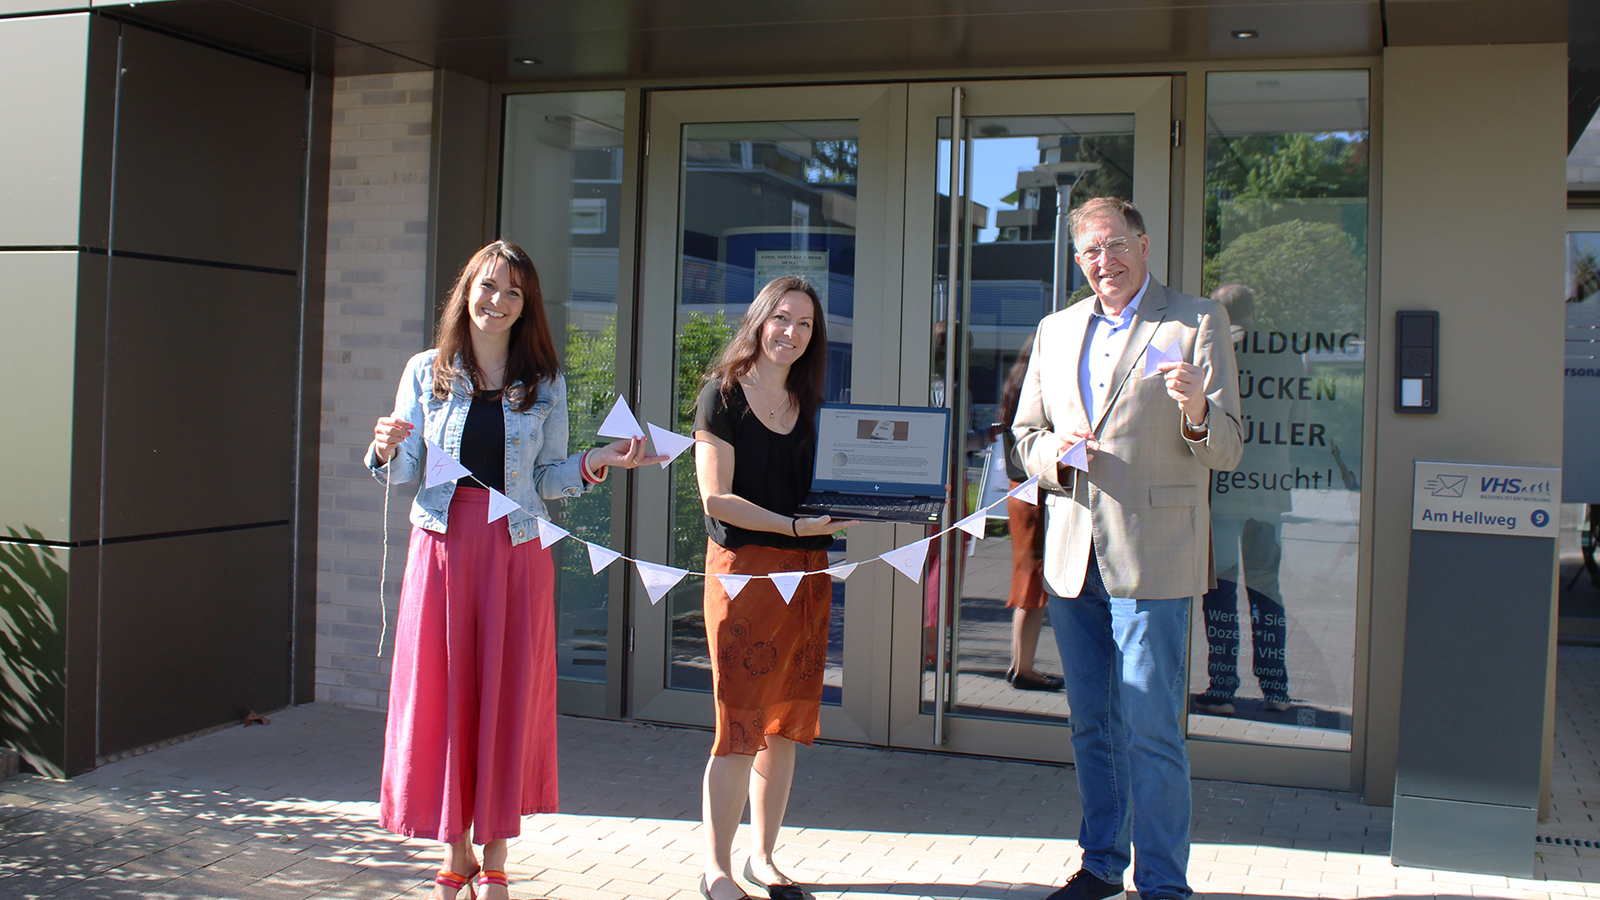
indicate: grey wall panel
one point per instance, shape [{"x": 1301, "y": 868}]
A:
[
  {"x": 88, "y": 396},
  {"x": 195, "y": 632},
  {"x": 210, "y": 160},
  {"x": 200, "y": 397},
  {"x": 309, "y": 434},
  {"x": 1477, "y": 638},
  {"x": 38, "y": 313},
  {"x": 43, "y": 68},
  {"x": 99, "y": 128}
]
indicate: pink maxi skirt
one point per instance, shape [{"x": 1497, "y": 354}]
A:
[{"x": 471, "y": 739}]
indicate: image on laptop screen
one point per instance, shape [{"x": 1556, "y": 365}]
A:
[{"x": 896, "y": 447}]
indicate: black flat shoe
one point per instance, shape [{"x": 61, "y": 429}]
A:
[
  {"x": 1043, "y": 683},
  {"x": 775, "y": 891}
]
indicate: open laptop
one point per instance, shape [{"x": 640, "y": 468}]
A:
[{"x": 880, "y": 463}]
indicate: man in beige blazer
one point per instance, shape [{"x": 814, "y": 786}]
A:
[{"x": 1127, "y": 543}]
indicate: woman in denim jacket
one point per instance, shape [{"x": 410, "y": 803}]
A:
[{"x": 471, "y": 740}]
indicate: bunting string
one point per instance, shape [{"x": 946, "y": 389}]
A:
[{"x": 658, "y": 578}]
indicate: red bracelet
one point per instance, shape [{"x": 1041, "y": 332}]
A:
[{"x": 583, "y": 466}]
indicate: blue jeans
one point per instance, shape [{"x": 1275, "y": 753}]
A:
[{"x": 1124, "y": 662}]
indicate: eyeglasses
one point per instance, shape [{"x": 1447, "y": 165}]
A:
[{"x": 1113, "y": 247}]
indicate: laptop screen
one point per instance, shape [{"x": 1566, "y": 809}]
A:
[{"x": 893, "y": 449}]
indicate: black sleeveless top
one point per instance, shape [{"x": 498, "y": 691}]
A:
[{"x": 771, "y": 470}]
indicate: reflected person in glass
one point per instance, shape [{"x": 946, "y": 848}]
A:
[
  {"x": 1126, "y": 543},
  {"x": 754, "y": 452},
  {"x": 470, "y": 746},
  {"x": 1246, "y": 538},
  {"x": 1025, "y": 522}
]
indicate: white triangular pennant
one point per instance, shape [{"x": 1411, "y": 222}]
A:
[
  {"x": 1027, "y": 492},
  {"x": 843, "y": 570},
  {"x": 733, "y": 584},
  {"x": 442, "y": 466},
  {"x": 500, "y": 505},
  {"x": 787, "y": 582},
  {"x": 909, "y": 559},
  {"x": 975, "y": 524},
  {"x": 550, "y": 533},
  {"x": 1077, "y": 456},
  {"x": 1153, "y": 357},
  {"x": 620, "y": 422},
  {"x": 600, "y": 557},
  {"x": 668, "y": 443},
  {"x": 658, "y": 579}
]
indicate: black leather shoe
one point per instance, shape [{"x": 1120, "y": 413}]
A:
[
  {"x": 1083, "y": 885},
  {"x": 775, "y": 891},
  {"x": 1043, "y": 683}
]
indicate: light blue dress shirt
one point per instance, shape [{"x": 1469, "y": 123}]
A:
[{"x": 1108, "y": 337}]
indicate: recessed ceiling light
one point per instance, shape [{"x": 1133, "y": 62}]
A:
[
  {"x": 530, "y": 61},
  {"x": 1247, "y": 33}
]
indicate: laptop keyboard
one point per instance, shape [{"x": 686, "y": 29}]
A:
[{"x": 875, "y": 506}]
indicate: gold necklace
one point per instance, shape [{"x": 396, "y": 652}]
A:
[{"x": 772, "y": 411}]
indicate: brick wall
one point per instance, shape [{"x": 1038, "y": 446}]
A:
[{"x": 376, "y": 304}]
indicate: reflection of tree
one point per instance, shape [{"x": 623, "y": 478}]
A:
[
  {"x": 699, "y": 343},
  {"x": 832, "y": 162},
  {"x": 1586, "y": 278},
  {"x": 33, "y": 596},
  {"x": 1114, "y": 178},
  {"x": 590, "y": 370},
  {"x": 1306, "y": 275},
  {"x": 1267, "y": 167}
]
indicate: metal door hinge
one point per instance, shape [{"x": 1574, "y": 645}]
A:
[
  {"x": 647, "y": 143},
  {"x": 630, "y": 640},
  {"x": 1177, "y": 132}
]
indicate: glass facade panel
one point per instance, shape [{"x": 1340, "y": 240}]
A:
[
  {"x": 1020, "y": 167},
  {"x": 1580, "y": 462},
  {"x": 1286, "y": 196},
  {"x": 758, "y": 200},
  {"x": 560, "y": 194}
]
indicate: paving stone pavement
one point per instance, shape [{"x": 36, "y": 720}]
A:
[{"x": 288, "y": 811}]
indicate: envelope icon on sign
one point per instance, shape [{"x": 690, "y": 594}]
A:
[{"x": 1448, "y": 485}]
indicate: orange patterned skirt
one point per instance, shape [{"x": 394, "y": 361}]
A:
[{"x": 767, "y": 656}]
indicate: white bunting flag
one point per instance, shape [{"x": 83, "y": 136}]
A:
[
  {"x": 668, "y": 443},
  {"x": 843, "y": 571},
  {"x": 600, "y": 557},
  {"x": 500, "y": 505},
  {"x": 975, "y": 524},
  {"x": 787, "y": 582},
  {"x": 733, "y": 584},
  {"x": 1153, "y": 357},
  {"x": 1027, "y": 492},
  {"x": 442, "y": 466},
  {"x": 550, "y": 533},
  {"x": 909, "y": 559},
  {"x": 620, "y": 422},
  {"x": 658, "y": 579},
  {"x": 1077, "y": 456}
]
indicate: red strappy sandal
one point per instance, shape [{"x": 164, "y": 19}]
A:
[
  {"x": 453, "y": 883},
  {"x": 493, "y": 876}
]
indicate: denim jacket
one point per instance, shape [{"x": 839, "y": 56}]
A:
[{"x": 537, "y": 465}]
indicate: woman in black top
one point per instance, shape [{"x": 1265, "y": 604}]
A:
[{"x": 755, "y": 444}]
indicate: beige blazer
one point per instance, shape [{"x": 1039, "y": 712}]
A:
[{"x": 1144, "y": 504}]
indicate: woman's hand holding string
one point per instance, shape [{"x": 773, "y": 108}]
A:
[{"x": 387, "y": 436}]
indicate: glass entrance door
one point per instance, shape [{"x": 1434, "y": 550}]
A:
[
  {"x": 743, "y": 186},
  {"x": 992, "y": 166}
]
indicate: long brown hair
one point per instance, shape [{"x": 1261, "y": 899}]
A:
[
  {"x": 1011, "y": 393},
  {"x": 808, "y": 373},
  {"x": 532, "y": 356}
]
